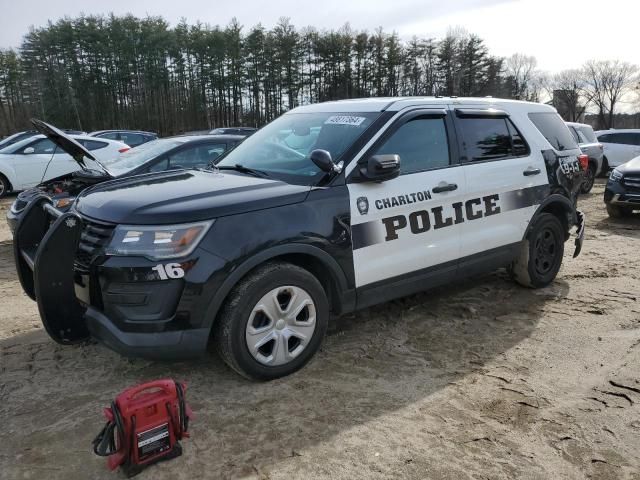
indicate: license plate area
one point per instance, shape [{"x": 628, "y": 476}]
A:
[{"x": 569, "y": 165}]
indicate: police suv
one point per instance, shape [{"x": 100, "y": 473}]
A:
[{"x": 330, "y": 208}]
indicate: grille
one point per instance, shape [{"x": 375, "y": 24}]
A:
[
  {"x": 632, "y": 182},
  {"x": 93, "y": 240}
]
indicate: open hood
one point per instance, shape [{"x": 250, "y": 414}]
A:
[{"x": 79, "y": 153}]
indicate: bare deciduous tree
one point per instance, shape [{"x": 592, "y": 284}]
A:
[
  {"x": 521, "y": 70},
  {"x": 607, "y": 82},
  {"x": 570, "y": 96}
]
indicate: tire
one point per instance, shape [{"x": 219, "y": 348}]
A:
[
  {"x": 587, "y": 185},
  {"x": 541, "y": 253},
  {"x": 604, "y": 171},
  {"x": 5, "y": 186},
  {"x": 615, "y": 211},
  {"x": 259, "y": 346}
]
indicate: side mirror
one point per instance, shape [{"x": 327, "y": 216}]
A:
[
  {"x": 379, "y": 168},
  {"x": 322, "y": 159},
  {"x": 29, "y": 150}
]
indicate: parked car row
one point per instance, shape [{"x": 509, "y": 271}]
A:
[
  {"x": 79, "y": 166},
  {"x": 331, "y": 208}
]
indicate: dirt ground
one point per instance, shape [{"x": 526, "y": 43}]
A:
[{"x": 481, "y": 380}]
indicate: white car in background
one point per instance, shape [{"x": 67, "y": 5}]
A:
[
  {"x": 29, "y": 162},
  {"x": 620, "y": 146}
]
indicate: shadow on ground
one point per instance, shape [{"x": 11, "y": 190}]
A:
[{"x": 372, "y": 363}]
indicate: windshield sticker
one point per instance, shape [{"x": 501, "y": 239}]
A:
[{"x": 345, "y": 120}]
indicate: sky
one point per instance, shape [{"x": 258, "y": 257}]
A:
[{"x": 559, "y": 33}]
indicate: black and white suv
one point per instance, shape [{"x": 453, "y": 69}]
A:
[{"x": 330, "y": 208}]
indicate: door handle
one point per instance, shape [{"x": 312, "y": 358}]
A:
[
  {"x": 444, "y": 187},
  {"x": 531, "y": 171}
]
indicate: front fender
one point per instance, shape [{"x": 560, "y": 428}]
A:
[{"x": 337, "y": 274}]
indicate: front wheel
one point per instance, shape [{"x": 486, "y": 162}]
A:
[
  {"x": 541, "y": 253},
  {"x": 273, "y": 322}
]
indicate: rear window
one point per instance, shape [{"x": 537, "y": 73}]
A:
[
  {"x": 554, "y": 130},
  {"x": 588, "y": 133}
]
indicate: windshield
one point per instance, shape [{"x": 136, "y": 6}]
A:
[
  {"x": 281, "y": 149},
  {"x": 140, "y": 155}
]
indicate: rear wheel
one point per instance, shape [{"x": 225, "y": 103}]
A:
[
  {"x": 616, "y": 211},
  {"x": 587, "y": 185},
  {"x": 273, "y": 322},
  {"x": 541, "y": 253},
  {"x": 5, "y": 187}
]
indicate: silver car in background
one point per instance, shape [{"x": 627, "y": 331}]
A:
[{"x": 589, "y": 144}]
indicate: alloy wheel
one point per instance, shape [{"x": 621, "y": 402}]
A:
[{"x": 281, "y": 325}]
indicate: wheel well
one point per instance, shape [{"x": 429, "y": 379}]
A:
[
  {"x": 9, "y": 186},
  {"x": 561, "y": 213},
  {"x": 319, "y": 270},
  {"x": 312, "y": 264}
]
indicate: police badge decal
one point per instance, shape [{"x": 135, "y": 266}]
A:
[{"x": 363, "y": 205}]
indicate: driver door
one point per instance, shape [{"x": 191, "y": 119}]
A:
[
  {"x": 32, "y": 161},
  {"x": 405, "y": 232}
]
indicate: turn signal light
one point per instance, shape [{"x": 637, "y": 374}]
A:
[{"x": 584, "y": 161}]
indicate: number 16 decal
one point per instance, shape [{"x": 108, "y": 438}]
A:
[{"x": 170, "y": 270}]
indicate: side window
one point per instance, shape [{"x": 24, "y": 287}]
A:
[
  {"x": 606, "y": 138},
  {"x": 161, "y": 166},
  {"x": 485, "y": 138},
  {"x": 518, "y": 146},
  {"x": 197, "y": 156},
  {"x": 625, "y": 138},
  {"x": 110, "y": 135},
  {"x": 421, "y": 143},
  {"x": 636, "y": 138},
  {"x": 44, "y": 145},
  {"x": 132, "y": 139}
]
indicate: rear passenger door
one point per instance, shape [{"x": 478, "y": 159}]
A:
[
  {"x": 403, "y": 230},
  {"x": 505, "y": 183}
]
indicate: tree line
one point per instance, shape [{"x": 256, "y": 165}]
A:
[{"x": 95, "y": 72}]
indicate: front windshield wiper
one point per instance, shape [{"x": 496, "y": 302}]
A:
[{"x": 242, "y": 169}]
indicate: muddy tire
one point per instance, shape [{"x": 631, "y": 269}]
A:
[
  {"x": 589, "y": 180},
  {"x": 273, "y": 322},
  {"x": 615, "y": 211},
  {"x": 540, "y": 254},
  {"x": 5, "y": 186}
]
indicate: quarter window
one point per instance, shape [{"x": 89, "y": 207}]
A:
[
  {"x": 421, "y": 144},
  {"x": 93, "y": 144},
  {"x": 554, "y": 130}
]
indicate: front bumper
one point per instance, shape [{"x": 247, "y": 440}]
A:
[
  {"x": 167, "y": 345},
  {"x": 120, "y": 301},
  {"x": 616, "y": 193}
]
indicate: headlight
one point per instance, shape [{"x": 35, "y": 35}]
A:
[
  {"x": 157, "y": 242},
  {"x": 615, "y": 176},
  {"x": 63, "y": 202}
]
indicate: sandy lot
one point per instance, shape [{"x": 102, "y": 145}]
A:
[{"x": 481, "y": 380}]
